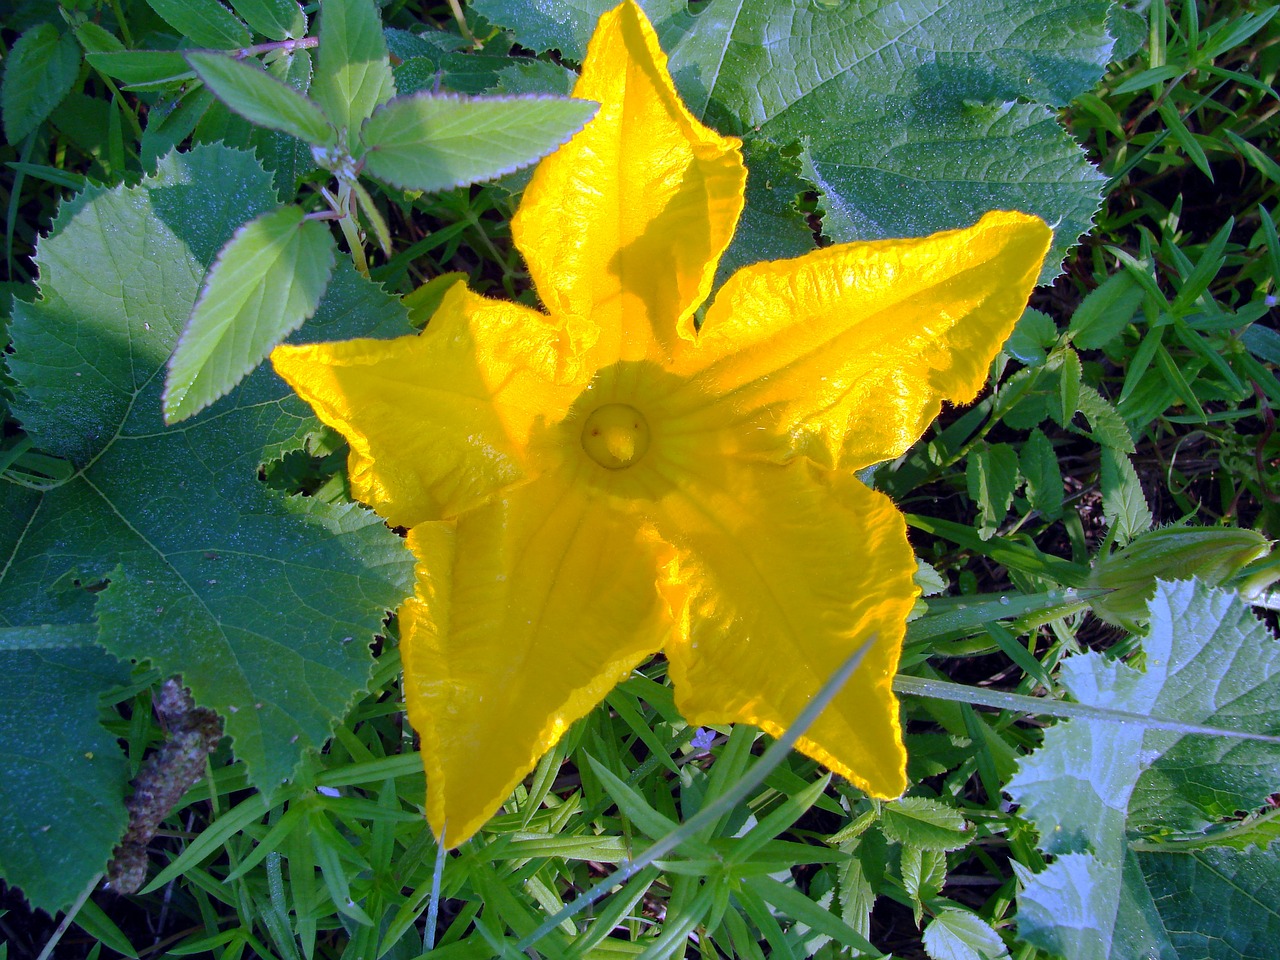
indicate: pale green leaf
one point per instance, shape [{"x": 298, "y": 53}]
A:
[
  {"x": 1106, "y": 311},
  {"x": 925, "y": 823},
  {"x": 992, "y": 476},
  {"x": 1124, "y": 506},
  {"x": 62, "y": 775},
  {"x": 956, "y": 934},
  {"x": 427, "y": 142},
  {"x": 206, "y": 23},
  {"x": 1095, "y": 789},
  {"x": 266, "y": 282},
  {"x": 208, "y": 574},
  {"x": 1033, "y": 334},
  {"x": 353, "y": 71},
  {"x": 136, "y": 68},
  {"x": 262, "y": 99},
  {"x": 39, "y": 71},
  {"x": 1108, "y": 427}
]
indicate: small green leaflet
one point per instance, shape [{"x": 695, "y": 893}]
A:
[
  {"x": 955, "y": 934},
  {"x": 62, "y": 776},
  {"x": 259, "y": 97},
  {"x": 266, "y": 282},
  {"x": 277, "y": 19},
  {"x": 353, "y": 71},
  {"x": 265, "y": 604},
  {"x": 427, "y": 142},
  {"x": 206, "y": 23},
  {"x": 40, "y": 71},
  {"x": 1111, "y": 801}
]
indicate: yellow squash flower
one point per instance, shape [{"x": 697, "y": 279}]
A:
[{"x": 588, "y": 486}]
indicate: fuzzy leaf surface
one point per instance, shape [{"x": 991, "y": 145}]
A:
[
  {"x": 353, "y": 70},
  {"x": 62, "y": 776},
  {"x": 265, "y": 604},
  {"x": 277, "y": 19},
  {"x": 1094, "y": 789},
  {"x": 431, "y": 143},
  {"x": 261, "y": 98},
  {"x": 266, "y": 282}
]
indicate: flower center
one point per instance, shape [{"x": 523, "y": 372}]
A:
[{"x": 615, "y": 436}]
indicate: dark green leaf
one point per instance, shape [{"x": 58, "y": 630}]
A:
[
  {"x": 206, "y": 23},
  {"x": 1039, "y": 464},
  {"x": 992, "y": 476},
  {"x": 1106, "y": 311},
  {"x": 263, "y": 603},
  {"x": 564, "y": 25},
  {"x": 62, "y": 776},
  {"x": 266, "y": 282},
  {"x": 41, "y": 68},
  {"x": 277, "y": 19},
  {"x": 1033, "y": 334},
  {"x": 430, "y": 143},
  {"x": 259, "y": 97},
  {"x": 353, "y": 71},
  {"x": 772, "y": 226}
]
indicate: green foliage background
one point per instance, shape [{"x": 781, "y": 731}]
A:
[{"x": 1137, "y": 391}]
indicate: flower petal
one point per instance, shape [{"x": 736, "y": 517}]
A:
[
  {"x": 527, "y": 611},
  {"x": 622, "y": 227},
  {"x": 787, "y": 569},
  {"x": 437, "y": 422},
  {"x": 853, "y": 348}
]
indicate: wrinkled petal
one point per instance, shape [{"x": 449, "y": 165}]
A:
[
  {"x": 851, "y": 350},
  {"x": 786, "y": 570},
  {"x": 440, "y": 421},
  {"x": 622, "y": 227},
  {"x": 527, "y": 611}
]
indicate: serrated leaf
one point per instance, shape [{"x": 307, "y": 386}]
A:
[
  {"x": 913, "y": 117},
  {"x": 429, "y": 143},
  {"x": 277, "y": 19},
  {"x": 955, "y": 934},
  {"x": 62, "y": 776},
  {"x": 1124, "y": 506},
  {"x": 923, "y": 874},
  {"x": 1033, "y": 334},
  {"x": 206, "y": 23},
  {"x": 353, "y": 71},
  {"x": 1108, "y": 427},
  {"x": 41, "y": 68},
  {"x": 564, "y": 25},
  {"x": 1106, "y": 311},
  {"x": 1094, "y": 788},
  {"x": 259, "y": 97},
  {"x": 771, "y": 227},
  {"x": 208, "y": 573},
  {"x": 992, "y": 476},
  {"x": 925, "y": 823},
  {"x": 1038, "y": 462},
  {"x": 264, "y": 285}
]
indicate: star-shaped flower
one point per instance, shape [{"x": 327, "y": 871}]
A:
[{"x": 588, "y": 486}]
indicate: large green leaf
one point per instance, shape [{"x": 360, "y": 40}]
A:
[
  {"x": 1104, "y": 796},
  {"x": 266, "y": 282},
  {"x": 62, "y": 777},
  {"x": 911, "y": 117},
  {"x": 40, "y": 71},
  {"x": 264, "y": 603},
  {"x": 428, "y": 142},
  {"x": 353, "y": 71}
]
